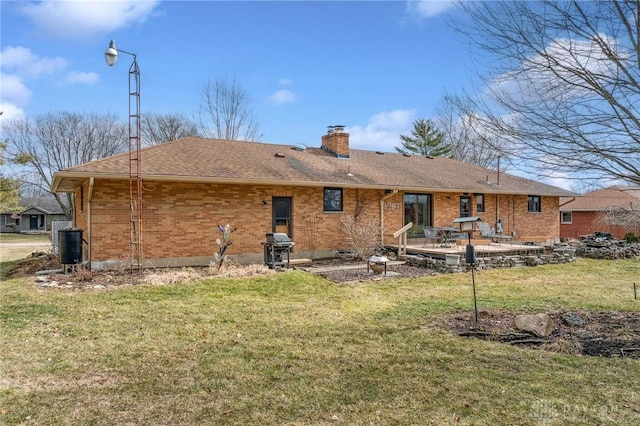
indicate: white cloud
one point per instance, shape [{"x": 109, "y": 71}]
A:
[
  {"x": 81, "y": 77},
  {"x": 20, "y": 67},
  {"x": 10, "y": 112},
  {"x": 21, "y": 60},
  {"x": 383, "y": 131},
  {"x": 546, "y": 77},
  {"x": 13, "y": 90},
  {"x": 81, "y": 18},
  {"x": 429, "y": 8},
  {"x": 282, "y": 96}
]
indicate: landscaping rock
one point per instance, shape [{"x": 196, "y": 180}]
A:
[
  {"x": 540, "y": 325},
  {"x": 571, "y": 318}
]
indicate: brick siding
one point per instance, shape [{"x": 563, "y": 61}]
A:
[
  {"x": 180, "y": 219},
  {"x": 586, "y": 223}
]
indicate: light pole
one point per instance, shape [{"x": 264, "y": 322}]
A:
[{"x": 135, "y": 159}]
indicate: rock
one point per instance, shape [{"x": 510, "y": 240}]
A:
[
  {"x": 571, "y": 318},
  {"x": 98, "y": 287},
  {"x": 42, "y": 279},
  {"x": 540, "y": 325}
]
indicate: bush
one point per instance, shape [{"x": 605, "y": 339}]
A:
[
  {"x": 363, "y": 235},
  {"x": 630, "y": 237}
]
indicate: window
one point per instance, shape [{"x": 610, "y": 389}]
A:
[
  {"x": 534, "y": 205},
  {"x": 418, "y": 209},
  {"x": 566, "y": 217},
  {"x": 480, "y": 203},
  {"x": 465, "y": 206},
  {"x": 332, "y": 200}
]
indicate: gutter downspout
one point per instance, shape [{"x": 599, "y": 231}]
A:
[
  {"x": 567, "y": 202},
  {"x": 382, "y": 200},
  {"x": 89, "y": 197}
]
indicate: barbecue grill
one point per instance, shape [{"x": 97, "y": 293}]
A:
[{"x": 278, "y": 245}]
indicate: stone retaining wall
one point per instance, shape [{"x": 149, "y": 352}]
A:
[
  {"x": 614, "y": 251},
  {"x": 448, "y": 266}
]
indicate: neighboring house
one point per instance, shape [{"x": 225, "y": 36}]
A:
[
  {"x": 609, "y": 210},
  {"x": 193, "y": 184},
  {"x": 36, "y": 215}
]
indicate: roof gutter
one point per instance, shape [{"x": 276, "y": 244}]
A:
[
  {"x": 58, "y": 177},
  {"x": 567, "y": 202}
]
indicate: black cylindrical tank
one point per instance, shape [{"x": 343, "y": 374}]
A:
[{"x": 70, "y": 246}]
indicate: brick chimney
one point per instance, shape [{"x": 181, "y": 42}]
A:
[{"x": 336, "y": 141}]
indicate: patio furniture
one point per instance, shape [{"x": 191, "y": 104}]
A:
[
  {"x": 489, "y": 233},
  {"x": 447, "y": 236},
  {"x": 431, "y": 234}
]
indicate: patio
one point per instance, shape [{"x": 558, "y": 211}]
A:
[{"x": 483, "y": 248}]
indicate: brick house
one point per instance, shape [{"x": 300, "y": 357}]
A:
[
  {"x": 193, "y": 184},
  {"x": 600, "y": 210}
]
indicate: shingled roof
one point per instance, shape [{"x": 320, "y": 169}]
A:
[
  {"x": 627, "y": 197},
  {"x": 195, "y": 159}
]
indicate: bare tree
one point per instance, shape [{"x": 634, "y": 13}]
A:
[
  {"x": 627, "y": 219},
  {"x": 464, "y": 132},
  {"x": 160, "y": 128},
  {"x": 57, "y": 141},
  {"x": 225, "y": 111},
  {"x": 9, "y": 186},
  {"x": 564, "y": 83}
]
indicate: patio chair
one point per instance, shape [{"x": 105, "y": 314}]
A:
[
  {"x": 489, "y": 233},
  {"x": 431, "y": 234}
]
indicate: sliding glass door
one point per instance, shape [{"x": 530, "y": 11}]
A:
[{"x": 418, "y": 208}]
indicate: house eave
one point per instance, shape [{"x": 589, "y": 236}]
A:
[{"x": 71, "y": 181}]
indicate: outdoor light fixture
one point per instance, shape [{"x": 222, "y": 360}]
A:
[
  {"x": 135, "y": 158},
  {"x": 111, "y": 54}
]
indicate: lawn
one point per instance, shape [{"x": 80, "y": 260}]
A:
[
  {"x": 18, "y": 246},
  {"x": 293, "y": 348}
]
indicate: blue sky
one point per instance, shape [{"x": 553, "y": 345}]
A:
[{"x": 374, "y": 67}]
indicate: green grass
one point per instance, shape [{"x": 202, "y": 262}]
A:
[
  {"x": 23, "y": 238},
  {"x": 293, "y": 348}
]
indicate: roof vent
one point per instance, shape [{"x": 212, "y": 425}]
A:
[
  {"x": 298, "y": 148},
  {"x": 279, "y": 155},
  {"x": 380, "y": 152}
]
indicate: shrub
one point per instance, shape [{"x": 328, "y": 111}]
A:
[{"x": 363, "y": 235}]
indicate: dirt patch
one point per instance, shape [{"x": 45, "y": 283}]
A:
[
  {"x": 602, "y": 333},
  {"x": 39, "y": 261},
  {"x": 362, "y": 274}
]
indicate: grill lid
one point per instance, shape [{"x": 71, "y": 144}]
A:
[{"x": 278, "y": 238}]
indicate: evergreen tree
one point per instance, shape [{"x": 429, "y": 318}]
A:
[{"x": 425, "y": 140}]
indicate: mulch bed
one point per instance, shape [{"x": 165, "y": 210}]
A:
[
  {"x": 604, "y": 333},
  {"x": 361, "y": 274}
]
